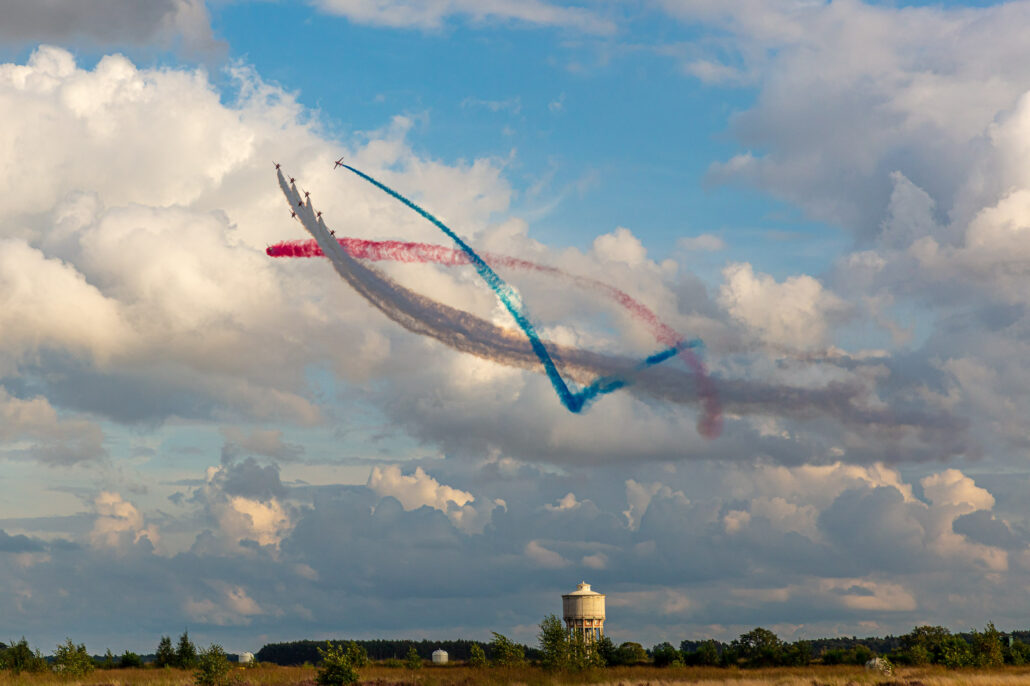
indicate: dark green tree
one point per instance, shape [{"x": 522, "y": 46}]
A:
[
  {"x": 72, "y": 659},
  {"x": 130, "y": 660},
  {"x": 758, "y": 648},
  {"x": 506, "y": 652},
  {"x": 19, "y": 657},
  {"x": 630, "y": 653},
  {"x": 664, "y": 655},
  {"x": 186, "y": 652},
  {"x": 606, "y": 650},
  {"x": 412, "y": 660},
  {"x": 212, "y": 667},
  {"x": 165, "y": 656},
  {"x": 108, "y": 660},
  {"x": 706, "y": 655},
  {"x": 336, "y": 668},
  {"x": 477, "y": 656}
]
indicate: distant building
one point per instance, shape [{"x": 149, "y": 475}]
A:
[
  {"x": 439, "y": 656},
  {"x": 583, "y": 611}
]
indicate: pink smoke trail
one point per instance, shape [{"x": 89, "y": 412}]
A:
[{"x": 710, "y": 423}]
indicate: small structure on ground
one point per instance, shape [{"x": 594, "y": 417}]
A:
[
  {"x": 439, "y": 656},
  {"x": 881, "y": 665},
  {"x": 246, "y": 658},
  {"x": 583, "y": 611}
]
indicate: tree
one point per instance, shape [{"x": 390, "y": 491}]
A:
[
  {"x": 630, "y": 653},
  {"x": 554, "y": 644},
  {"x": 477, "y": 656},
  {"x": 664, "y": 655},
  {"x": 923, "y": 645},
  {"x": 605, "y": 650},
  {"x": 336, "y": 668},
  {"x": 212, "y": 667},
  {"x": 165, "y": 653},
  {"x": 186, "y": 652},
  {"x": 108, "y": 659},
  {"x": 357, "y": 654},
  {"x": 506, "y": 652},
  {"x": 987, "y": 647},
  {"x": 19, "y": 657},
  {"x": 758, "y": 648},
  {"x": 706, "y": 655},
  {"x": 412, "y": 659},
  {"x": 130, "y": 660},
  {"x": 72, "y": 659}
]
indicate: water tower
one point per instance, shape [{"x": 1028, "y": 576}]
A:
[{"x": 583, "y": 611}]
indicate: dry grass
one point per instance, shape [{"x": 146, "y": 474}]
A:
[{"x": 457, "y": 675}]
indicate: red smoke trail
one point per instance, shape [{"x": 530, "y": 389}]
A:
[{"x": 710, "y": 423}]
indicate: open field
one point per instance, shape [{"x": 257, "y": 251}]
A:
[{"x": 530, "y": 676}]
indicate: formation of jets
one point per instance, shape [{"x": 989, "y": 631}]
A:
[{"x": 307, "y": 195}]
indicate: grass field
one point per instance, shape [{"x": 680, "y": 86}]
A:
[{"x": 530, "y": 676}]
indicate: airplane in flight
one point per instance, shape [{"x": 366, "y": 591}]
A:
[
  {"x": 332, "y": 232},
  {"x": 307, "y": 196},
  {"x": 293, "y": 214},
  {"x": 277, "y": 165},
  {"x": 319, "y": 214},
  {"x": 292, "y": 180},
  {"x": 339, "y": 163}
]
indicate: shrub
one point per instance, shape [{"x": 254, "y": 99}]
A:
[
  {"x": 213, "y": 667},
  {"x": 506, "y": 652},
  {"x": 477, "y": 656},
  {"x": 412, "y": 659},
  {"x": 357, "y": 654},
  {"x": 72, "y": 659},
  {"x": 129, "y": 660},
  {"x": 336, "y": 668}
]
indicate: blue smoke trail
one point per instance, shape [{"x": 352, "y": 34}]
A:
[{"x": 573, "y": 401}]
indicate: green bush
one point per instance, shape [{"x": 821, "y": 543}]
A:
[
  {"x": 357, "y": 654},
  {"x": 129, "y": 660},
  {"x": 336, "y": 668},
  {"x": 506, "y": 652},
  {"x": 72, "y": 659},
  {"x": 213, "y": 668},
  {"x": 412, "y": 659},
  {"x": 477, "y": 656}
]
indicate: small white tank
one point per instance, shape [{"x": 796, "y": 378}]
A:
[
  {"x": 246, "y": 658},
  {"x": 439, "y": 657}
]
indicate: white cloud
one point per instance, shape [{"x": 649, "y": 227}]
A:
[
  {"x": 415, "y": 490},
  {"x": 545, "y": 557},
  {"x": 432, "y": 15},
  {"x": 118, "y": 522},
  {"x": 796, "y": 312},
  {"x": 705, "y": 242}
]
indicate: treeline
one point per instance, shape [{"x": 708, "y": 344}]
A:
[
  {"x": 922, "y": 646},
  {"x": 307, "y": 652}
]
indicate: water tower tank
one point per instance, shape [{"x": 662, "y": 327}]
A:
[
  {"x": 583, "y": 610},
  {"x": 439, "y": 656}
]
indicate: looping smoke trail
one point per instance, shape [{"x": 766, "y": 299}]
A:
[
  {"x": 709, "y": 424},
  {"x": 574, "y": 402},
  {"x": 465, "y": 332}
]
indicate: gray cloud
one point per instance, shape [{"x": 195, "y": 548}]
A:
[{"x": 108, "y": 22}]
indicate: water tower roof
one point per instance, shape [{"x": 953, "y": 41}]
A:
[{"x": 583, "y": 588}]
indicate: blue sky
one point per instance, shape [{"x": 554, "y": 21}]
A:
[{"x": 832, "y": 196}]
